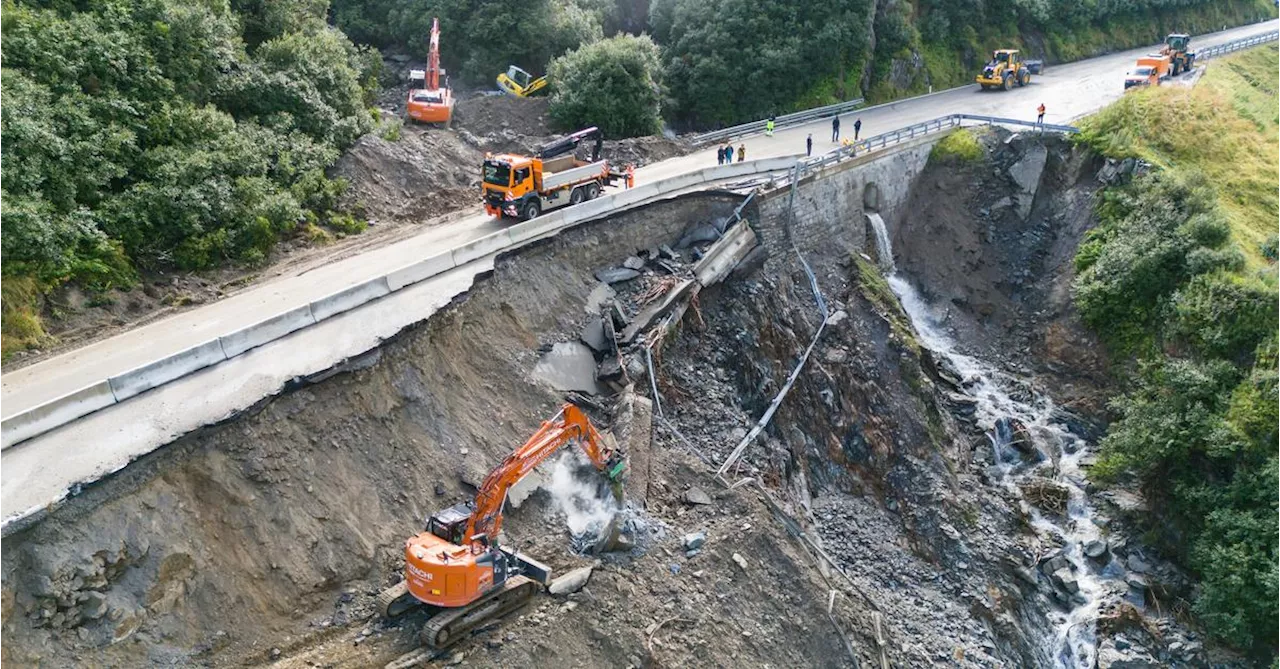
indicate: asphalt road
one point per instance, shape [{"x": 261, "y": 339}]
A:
[{"x": 1067, "y": 91}]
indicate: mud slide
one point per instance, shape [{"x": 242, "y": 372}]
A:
[{"x": 267, "y": 537}]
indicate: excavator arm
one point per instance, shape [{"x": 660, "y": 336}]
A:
[
  {"x": 433, "y": 57},
  {"x": 571, "y": 424}
]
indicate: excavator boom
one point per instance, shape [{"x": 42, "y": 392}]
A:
[{"x": 571, "y": 424}]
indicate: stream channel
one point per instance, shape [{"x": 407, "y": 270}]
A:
[{"x": 1022, "y": 426}]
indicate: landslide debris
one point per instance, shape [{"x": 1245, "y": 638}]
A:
[
  {"x": 267, "y": 538},
  {"x": 422, "y": 175}
]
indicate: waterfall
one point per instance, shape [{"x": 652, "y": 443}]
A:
[
  {"x": 1011, "y": 418},
  {"x": 884, "y": 249}
]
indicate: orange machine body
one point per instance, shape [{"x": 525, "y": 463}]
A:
[
  {"x": 429, "y": 101},
  {"x": 456, "y": 560}
]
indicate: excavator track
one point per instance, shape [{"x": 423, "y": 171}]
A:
[
  {"x": 395, "y": 601},
  {"x": 451, "y": 625}
]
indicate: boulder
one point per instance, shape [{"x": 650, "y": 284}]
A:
[
  {"x": 697, "y": 496},
  {"x": 1095, "y": 549},
  {"x": 616, "y": 274},
  {"x": 694, "y": 540},
  {"x": 571, "y": 582}
]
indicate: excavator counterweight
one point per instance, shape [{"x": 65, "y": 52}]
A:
[{"x": 456, "y": 565}]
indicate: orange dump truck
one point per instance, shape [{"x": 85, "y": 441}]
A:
[{"x": 1149, "y": 71}]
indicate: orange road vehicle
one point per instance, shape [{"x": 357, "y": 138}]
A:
[
  {"x": 429, "y": 102},
  {"x": 456, "y": 566}
]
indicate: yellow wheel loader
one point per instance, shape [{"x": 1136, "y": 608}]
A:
[{"x": 1007, "y": 69}]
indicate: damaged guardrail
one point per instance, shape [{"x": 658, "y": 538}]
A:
[{"x": 1235, "y": 45}]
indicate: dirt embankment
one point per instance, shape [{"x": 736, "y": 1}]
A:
[{"x": 267, "y": 537}]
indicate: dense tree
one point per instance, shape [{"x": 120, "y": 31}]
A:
[
  {"x": 732, "y": 60},
  {"x": 480, "y": 37},
  {"x": 145, "y": 134},
  {"x": 613, "y": 84}
]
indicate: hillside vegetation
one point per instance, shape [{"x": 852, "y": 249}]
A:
[
  {"x": 729, "y": 61},
  {"x": 1180, "y": 277},
  {"x": 166, "y": 134}
]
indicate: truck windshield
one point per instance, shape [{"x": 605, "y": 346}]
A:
[
  {"x": 498, "y": 174},
  {"x": 1143, "y": 72}
]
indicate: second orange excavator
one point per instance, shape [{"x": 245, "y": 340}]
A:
[
  {"x": 457, "y": 567},
  {"x": 429, "y": 101}
]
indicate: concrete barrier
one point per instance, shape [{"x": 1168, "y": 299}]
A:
[
  {"x": 141, "y": 379},
  {"x": 349, "y": 298},
  {"x": 420, "y": 271},
  {"x": 481, "y": 248},
  {"x": 54, "y": 413},
  {"x": 63, "y": 410},
  {"x": 264, "y": 331}
]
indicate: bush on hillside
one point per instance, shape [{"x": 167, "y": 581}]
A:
[
  {"x": 612, "y": 84},
  {"x": 145, "y": 135}
]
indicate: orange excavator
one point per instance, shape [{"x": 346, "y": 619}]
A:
[
  {"x": 456, "y": 566},
  {"x": 429, "y": 102}
]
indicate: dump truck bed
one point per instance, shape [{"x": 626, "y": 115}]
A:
[{"x": 551, "y": 181}]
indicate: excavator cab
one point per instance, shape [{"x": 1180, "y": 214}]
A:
[
  {"x": 451, "y": 524},
  {"x": 519, "y": 83}
]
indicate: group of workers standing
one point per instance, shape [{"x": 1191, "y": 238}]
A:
[{"x": 725, "y": 153}]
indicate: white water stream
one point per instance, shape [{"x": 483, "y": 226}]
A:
[{"x": 1001, "y": 397}]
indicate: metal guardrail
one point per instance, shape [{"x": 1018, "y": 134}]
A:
[
  {"x": 1236, "y": 45},
  {"x": 794, "y": 118},
  {"x": 919, "y": 130}
]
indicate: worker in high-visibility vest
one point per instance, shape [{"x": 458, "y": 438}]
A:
[
  {"x": 631, "y": 175},
  {"x": 768, "y": 127}
]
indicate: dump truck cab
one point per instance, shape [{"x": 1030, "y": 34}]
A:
[{"x": 508, "y": 181}]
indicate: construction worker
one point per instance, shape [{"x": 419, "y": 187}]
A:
[
  {"x": 728, "y": 154},
  {"x": 835, "y": 130},
  {"x": 631, "y": 175},
  {"x": 768, "y": 126},
  {"x": 1040, "y": 114},
  {"x": 742, "y": 152},
  {"x": 808, "y": 145},
  {"x": 857, "y": 128},
  {"x": 720, "y": 154}
]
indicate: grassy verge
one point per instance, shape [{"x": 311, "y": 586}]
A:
[{"x": 1179, "y": 279}]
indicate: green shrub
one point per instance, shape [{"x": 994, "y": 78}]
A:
[
  {"x": 960, "y": 146},
  {"x": 1270, "y": 249},
  {"x": 347, "y": 224},
  {"x": 613, "y": 84}
]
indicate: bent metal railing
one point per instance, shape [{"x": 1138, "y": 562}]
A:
[{"x": 862, "y": 146}]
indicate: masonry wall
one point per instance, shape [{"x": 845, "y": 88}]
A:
[{"x": 830, "y": 203}]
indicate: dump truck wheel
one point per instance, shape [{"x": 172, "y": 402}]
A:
[
  {"x": 531, "y": 210},
  {"x": 593, "y": 190},
  {"x": 577, "y": 196}
]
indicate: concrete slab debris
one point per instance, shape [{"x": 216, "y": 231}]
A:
[{"x": 616, "y": 274}]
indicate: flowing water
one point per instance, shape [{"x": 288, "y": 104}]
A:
[{"x": 1013, "y": 413}]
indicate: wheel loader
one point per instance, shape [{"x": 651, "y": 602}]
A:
[
  {"x": 1007, "y": 69},
  {"x": 1176, "y": 47}
]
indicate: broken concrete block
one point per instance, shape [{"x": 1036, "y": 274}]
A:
[
  {"x": 740, "y": 561},
  {"x": 633, "y": 262},
  {"x": 694, "y": 541},
  {"x": 696, "y": 495},
  {"x": 616, "y": 274},
  {"x": 571, "y": 582},
  {"x": 593, "y": 335}
]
